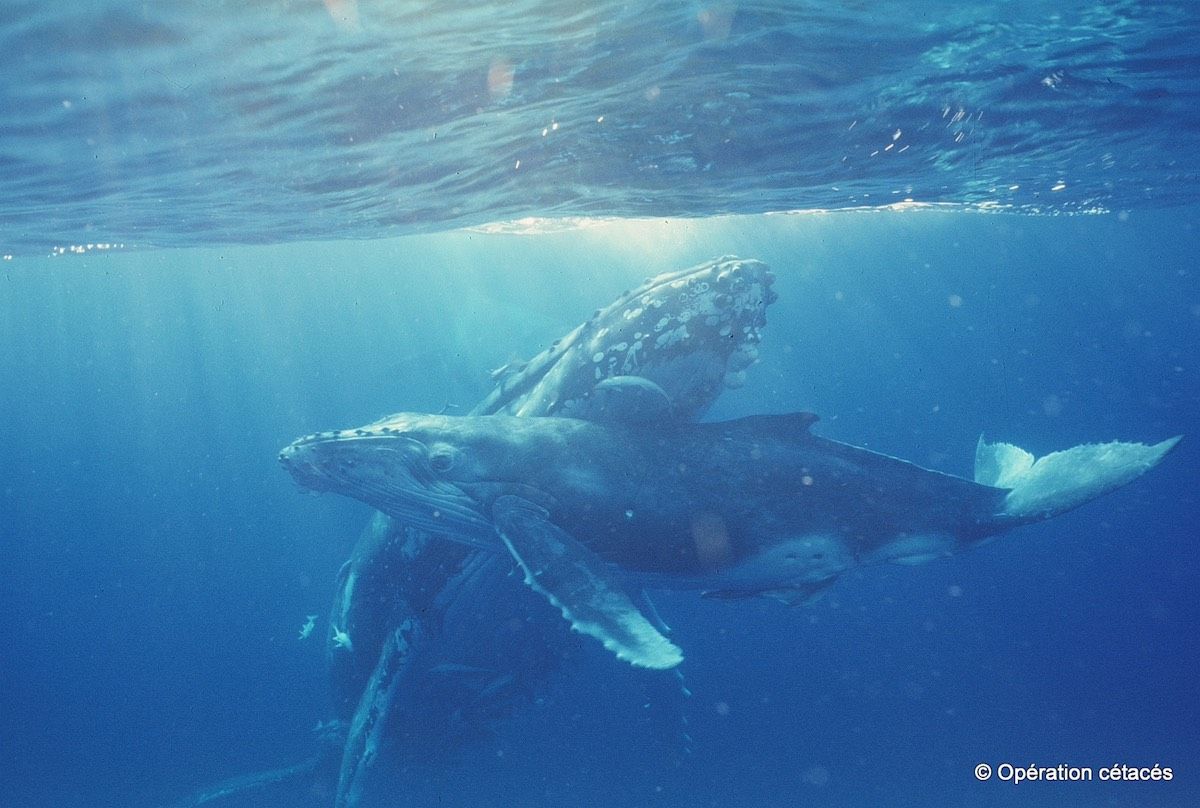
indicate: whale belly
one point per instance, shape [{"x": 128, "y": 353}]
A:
[{"x": 805, "y": 559}]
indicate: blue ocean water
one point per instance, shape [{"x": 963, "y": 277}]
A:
[
  {"x": 191, "y": 123},
  {"x": 156, "y": 564}
]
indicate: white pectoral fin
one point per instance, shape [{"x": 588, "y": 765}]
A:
[
  {"x": 1060, "y": 481},
  {"x": 580, "y": 585},
  {"x": 365, "y": 736},
  {"x": 645, "y": 605}
]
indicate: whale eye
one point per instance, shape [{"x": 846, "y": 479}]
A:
[{"x": 441, "y": 458}]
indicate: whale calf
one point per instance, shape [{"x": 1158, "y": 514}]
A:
[{"x": 592, "y": 510}]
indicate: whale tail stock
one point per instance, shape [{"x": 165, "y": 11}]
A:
[{"x": 1039, "y": 488}]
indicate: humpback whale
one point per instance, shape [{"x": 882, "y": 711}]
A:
[
  {"x": 760, "y": 505},
  {"x": 693, "y": 333},
  {"x": 672, "y": 344}
]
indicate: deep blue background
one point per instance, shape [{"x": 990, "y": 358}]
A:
[{"x": 155, "y": 564}]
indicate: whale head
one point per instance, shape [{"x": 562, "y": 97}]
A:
[
  {"x": 438, "y": 473},
  {"x": 693, "y": 333}
]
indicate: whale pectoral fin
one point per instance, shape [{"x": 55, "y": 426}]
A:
[
  {"x": 646, "y": 606},
  {"x": 364, "y": 738},
  {"x": 626, "y": 399},
  {"x": 580, "y": 584}
]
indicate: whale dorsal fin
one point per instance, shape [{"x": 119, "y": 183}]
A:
[{"x": 580, "y": 585}]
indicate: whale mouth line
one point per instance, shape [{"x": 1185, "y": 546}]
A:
[{"x": 392, "y": 474}]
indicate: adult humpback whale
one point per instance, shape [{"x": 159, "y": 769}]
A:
[
  {"x": 754, "y": 506},
  {"x": 420, "y": 627},
  {"x": 396, "y": 633},
  {"x": 692, "y": 332}
]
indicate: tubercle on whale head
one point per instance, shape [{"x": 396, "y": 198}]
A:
[
  {"x": 722, "y": 303},
  {"x": 692, "y": 332},
  {"x": 722, "y": 271},
  {"x": 393, "y": 433},
  {"x": 395, "y": 465}
]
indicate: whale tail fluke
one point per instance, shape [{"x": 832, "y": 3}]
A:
[{"x": 1046, "y": 486}]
